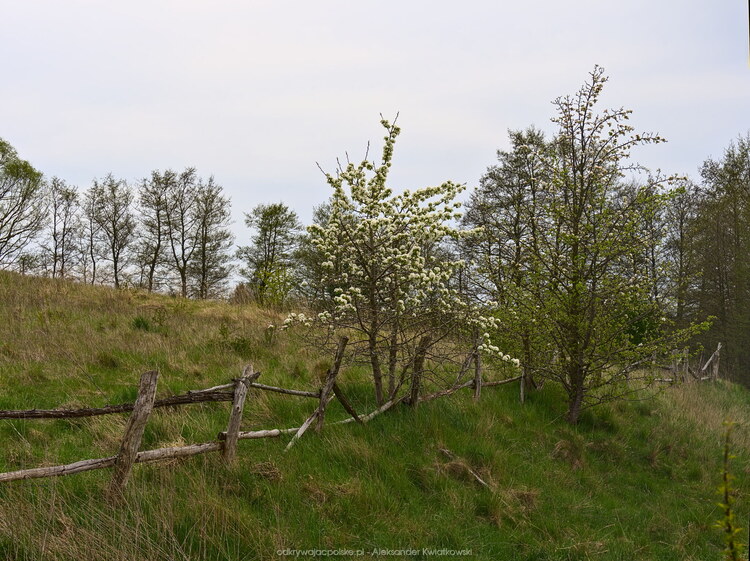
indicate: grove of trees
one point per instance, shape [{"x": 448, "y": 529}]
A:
[
  {"x": 576, "y": 261},
  {"x": 569, "y": 259},
  {"x": 168, "y": 233}
]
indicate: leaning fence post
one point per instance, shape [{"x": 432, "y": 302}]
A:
[
  {"x": 416, "y": 375},
  {"x": 324, "y": 395},
  {"x": 235, "y": 417},
  {"x": 330, "y": 381},
  {"x": 131, "y": 440},
  {"x": 345, "y": 403}
]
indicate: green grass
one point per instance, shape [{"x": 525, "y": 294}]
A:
[{"x": 631, "y": 481}]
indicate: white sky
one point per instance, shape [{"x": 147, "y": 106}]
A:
[{"x": 256, "y": 93}]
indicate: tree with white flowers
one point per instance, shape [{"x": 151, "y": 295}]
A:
[{"x": 385, "y": 277}]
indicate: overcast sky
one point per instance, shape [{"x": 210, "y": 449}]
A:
[{"x": 255, "y": 93}]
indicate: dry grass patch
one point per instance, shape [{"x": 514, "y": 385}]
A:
[
  {"x": 706, "y": 406},
  {"x": 569, "y": 451},
  {"x": 266, "y": 470}
]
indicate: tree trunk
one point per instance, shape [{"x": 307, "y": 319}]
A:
[
  {"x": 528, "y": 377},
  {"x": 377, "y": 374},
  {"x": 477, "y": 373},
  {"x": 575, "y": 401},
  {"x": 151, "y": 271},
  {"x": 417, "y": 369},
  {"x": 115, "y": 266},
  {"x": 392, "y": 363},
  {"x": 93, "y": 259}
]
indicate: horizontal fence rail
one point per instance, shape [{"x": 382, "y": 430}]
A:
[{"x": 195, "y": 396}]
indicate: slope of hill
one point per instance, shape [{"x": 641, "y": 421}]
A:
[{"x": 631, "y": 481}]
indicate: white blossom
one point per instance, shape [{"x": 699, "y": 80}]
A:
[{"x": 374, "y": 244}]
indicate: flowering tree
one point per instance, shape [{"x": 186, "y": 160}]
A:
[{"x": 384, "y": 277}]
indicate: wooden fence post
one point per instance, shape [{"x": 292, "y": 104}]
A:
[
  {"x": 235, "y": 417},
  {"x": 131, "y": 441},
  {"x": 345, "y": 402},
  {"x": 324, "y": 394},
  {"x": 686, "y": 365},
  {"x": 715, "y": 369},
  {"x": 330, "y": 381},
  {"x": 714, "y": 358},
  {"x": 418, "y": 367}
]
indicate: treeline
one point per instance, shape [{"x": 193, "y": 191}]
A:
[
  {"x": 708, "y": 249},
  {"x": 169, "y": 232},
  {"x": 575, "y": 258},
  {"x": 543, "y": 243},
  {"x": 690, "y": 245}
]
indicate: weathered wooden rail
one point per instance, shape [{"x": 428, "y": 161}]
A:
[
  {"x": 195, "y": 396},
  {"x": 129, "y": 454}
]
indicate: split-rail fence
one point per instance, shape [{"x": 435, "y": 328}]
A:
[
  {"x": 682, "y": 370},
  {"x": 129, "y": 452}
]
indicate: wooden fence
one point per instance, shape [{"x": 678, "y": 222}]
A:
[
  {"x": 683, "y": 372},
  {"x": 236, "y": 392}
]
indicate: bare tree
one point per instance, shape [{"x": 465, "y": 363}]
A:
[
  {"x": 182, "y": 223},
  {"x": 90, "y": 247},
  {"x": 209, "y": 268},
  {"x": 112, "y": 212},
  {"x": 64, "y": 227},
  {"x": 153, "y": 196}
]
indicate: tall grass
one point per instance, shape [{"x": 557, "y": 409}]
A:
[{"x": 631, "y": 481}]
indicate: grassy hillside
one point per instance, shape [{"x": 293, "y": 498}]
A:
[{"x": 632, "y": 481}]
